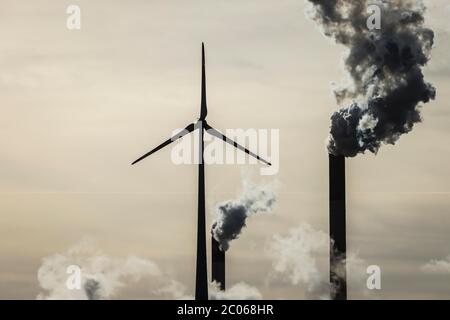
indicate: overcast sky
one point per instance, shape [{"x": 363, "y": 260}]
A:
[{"x": 79, "y": 106}]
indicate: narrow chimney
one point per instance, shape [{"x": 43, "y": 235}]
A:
[
  {"x": 217, "y": 264},
  {"x": 338, "y": 243}
]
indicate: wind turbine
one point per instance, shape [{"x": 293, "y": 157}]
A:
[{"x": 201, "y": 283}]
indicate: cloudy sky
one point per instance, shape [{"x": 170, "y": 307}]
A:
[{"x": 79, "y": 106}]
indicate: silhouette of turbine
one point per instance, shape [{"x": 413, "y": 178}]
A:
[{"x": 201, "y": 283}]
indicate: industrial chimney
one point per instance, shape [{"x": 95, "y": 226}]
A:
[
  {"x": 338, "y": 242},
  {"x": 217, "y": 264}
]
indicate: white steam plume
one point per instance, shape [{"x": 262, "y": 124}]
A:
[
  {"x": 296, "y": 256},
  {"x": 102, "y": 277}
]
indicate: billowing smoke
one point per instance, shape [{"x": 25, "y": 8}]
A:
[
  {"x": 294, "y": 257},
  {"x": 92, "y": 288},
  {"x": 232, "y": 215},
  {"x": 387, "y": 85},
  {"x": 301, "y": 257},
  {"x": 101, "y": 277},
  {"x": 104, "y": 277},
  {"x": 239, "y": 291}
]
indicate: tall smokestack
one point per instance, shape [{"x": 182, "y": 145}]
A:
[
  {"x": 217, "y": 263},
  {"x": 338, "y": 241},
  {"x": 383, "y": 96}
]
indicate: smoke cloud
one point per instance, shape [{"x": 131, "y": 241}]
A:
[
  {"x": 387, "y": 85},
  {"x": 102, "y": 277},
  {"x": 301, "y": 257},
  {"x": 232, "y": 215},
  {"x": 240, "y": 291},
  {"x": 294, "y": 257}
]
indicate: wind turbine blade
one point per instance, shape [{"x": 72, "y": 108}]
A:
[
  {"x": 219, "y": 135},
  {"x": 181, "y": 134},
  {"x": 203, "y": 107}
]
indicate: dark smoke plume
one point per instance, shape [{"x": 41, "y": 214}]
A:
[
  {"x": 232, "y": 215},
  {"x": 92, "y": 289},
  {"x": 387, "y": 83}
]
